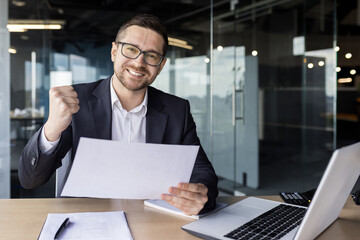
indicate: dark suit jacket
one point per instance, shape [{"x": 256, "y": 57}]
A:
[{"x": 168, "y": 121}]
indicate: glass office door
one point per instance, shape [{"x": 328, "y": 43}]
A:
[{"x": 235, "y": 110}]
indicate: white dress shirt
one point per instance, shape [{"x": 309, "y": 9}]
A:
[
  {"x": 125, "y": 126},
  {"x": 128, "y": 126}
]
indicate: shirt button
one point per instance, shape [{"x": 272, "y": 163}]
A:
[
  {"x": 33, "y": 161},
  {"x": 127, "y": 118}
]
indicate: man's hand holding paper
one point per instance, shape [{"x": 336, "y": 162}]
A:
[{"x": 188, "y": 197}]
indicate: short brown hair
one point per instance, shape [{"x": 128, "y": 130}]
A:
[{"x": 146, "y": 21}]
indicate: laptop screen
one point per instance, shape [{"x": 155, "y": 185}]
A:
[{"x": 332, "y": 192}]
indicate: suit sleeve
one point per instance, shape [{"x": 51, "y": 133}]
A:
[
  {"x": 36, "y": 169},
  {"x": 203, "y": 171}
]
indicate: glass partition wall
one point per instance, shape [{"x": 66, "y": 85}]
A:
[
  {"x": 4, "y": 104},
  {"x": 259, "y": 76},
  {"x": 263, "y": 97},
  {"x": 274, "y": 94},
  {"x": 30, "y": 55}
]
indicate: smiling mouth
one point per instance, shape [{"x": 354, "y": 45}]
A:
[{"x": 136, "y": 74}]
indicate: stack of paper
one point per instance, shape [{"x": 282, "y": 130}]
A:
[{"x": 87, "y": 225}]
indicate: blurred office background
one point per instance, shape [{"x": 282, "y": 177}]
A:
[{"x": 273, "y": 84}]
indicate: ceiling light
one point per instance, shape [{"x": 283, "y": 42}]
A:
[
  {"x": 179, "y": 43},
  {"x": 24, "y": 37},
  {"x": 352, "y": 71},
  {"x": 18, "y": 3},
  {"x": 171, "y": 39},
  {"x": 338, "y": 69},
  {"x": 344, "y": 80},
  {"x": 254, "y": 53},
  {"x": 24, "y": 25},
  {"x": 12, "y": 50},
  {"x": 16, "y": 29},
  {"x": 310, "y": 65},
  {"x": 207, "y": 60},
  {"x": 220, "y": 48},
  {"x": 321, "y": 63},
  {"x": 337, "y": 48},
  {"x": 348, "y": 55}
]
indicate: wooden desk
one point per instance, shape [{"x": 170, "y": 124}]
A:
[{"x": 24, "y": 218}]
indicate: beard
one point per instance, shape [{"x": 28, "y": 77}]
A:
[{"x": 128, "y": 83}]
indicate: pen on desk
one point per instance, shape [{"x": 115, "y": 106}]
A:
[{"x": 62, "y": 228}]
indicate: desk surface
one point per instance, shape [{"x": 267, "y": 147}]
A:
[{"x": 24, "y": 218}]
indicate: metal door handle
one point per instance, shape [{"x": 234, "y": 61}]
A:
[{"x": 234, "y": 105}]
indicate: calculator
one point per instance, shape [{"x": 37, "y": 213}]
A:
[{"x": 302, "y": 199}]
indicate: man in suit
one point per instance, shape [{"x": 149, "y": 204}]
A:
[{"x": 123, "y": 108}]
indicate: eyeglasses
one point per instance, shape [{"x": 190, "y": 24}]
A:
[{"x": 131, "y": 51}]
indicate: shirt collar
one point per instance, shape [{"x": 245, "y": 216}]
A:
[{"x": 142, "y": 108}]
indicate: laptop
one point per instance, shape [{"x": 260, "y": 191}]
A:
[{"x": 255, "y": 218}]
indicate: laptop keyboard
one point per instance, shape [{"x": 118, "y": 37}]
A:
[{"x": 272, "y": 224}]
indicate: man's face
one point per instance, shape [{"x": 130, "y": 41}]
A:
[{"x": 135, "y": 74}]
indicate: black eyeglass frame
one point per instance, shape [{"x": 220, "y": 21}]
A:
[{"x": 141, "y": 51}]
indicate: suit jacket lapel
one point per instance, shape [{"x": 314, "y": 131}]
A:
[
  {"x": 100, "y": 107},
  {"x": 155, "y": 119}
]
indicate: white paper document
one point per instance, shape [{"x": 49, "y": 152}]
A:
[
  {"x": 87, "y": 225},
  {"x": 111, "y": 169},
  {"x": 167, "y": 207}
]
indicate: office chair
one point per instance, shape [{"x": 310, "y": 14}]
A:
[
  {"x": 62, "y": 173},
  {"x": 356, "y": 197}
]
